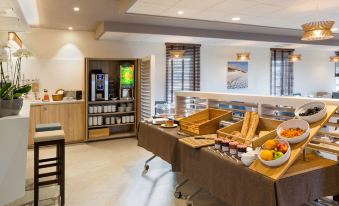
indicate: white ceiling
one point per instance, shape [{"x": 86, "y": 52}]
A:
[
  {"x": 11, "y": 17},
  {"x": 155, "y": 38},
  {"x": 271, "y": 13}
]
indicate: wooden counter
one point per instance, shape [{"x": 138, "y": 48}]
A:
[{"x": 70, "y": 114}]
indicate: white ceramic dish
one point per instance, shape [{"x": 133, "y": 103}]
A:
[
  {"x": 165, "y": 126},
  {"x": 248, "y": 158},
  {"x": 312, "y": 118},
  {"x": 281, "y": 160},
  {"x": 294, "y": 123}
]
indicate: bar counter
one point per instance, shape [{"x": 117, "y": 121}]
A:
[{"x": 236, "y": 184}]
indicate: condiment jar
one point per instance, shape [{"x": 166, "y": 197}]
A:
[
  {"x": 225, "y": 145},
  {"x": 242, "y": 148},
  {"x": 217, "y": 144},
  {"x": 233, "y": 147}
]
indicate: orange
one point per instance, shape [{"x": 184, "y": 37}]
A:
[
  {"x": 266, "y": 155},
  {"x": 270, "y": 144}
]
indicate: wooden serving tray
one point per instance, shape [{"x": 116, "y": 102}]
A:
[
  {"x": 198, "y": 143},
  {"x": 296, "y": 149},
  {"x": 204, "y": 122},
  {"x": 265, "y": 124}
]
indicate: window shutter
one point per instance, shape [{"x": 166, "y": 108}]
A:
[
  {"x": 145, "y": 89},
  {"x": 182, "y": 73}
]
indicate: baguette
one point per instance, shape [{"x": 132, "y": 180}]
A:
[
  {"x": 253, "y": 126},
  {"x": 245, "y": 125}
]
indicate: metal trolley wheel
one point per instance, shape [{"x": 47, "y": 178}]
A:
[{"x": 178, "y": 194}]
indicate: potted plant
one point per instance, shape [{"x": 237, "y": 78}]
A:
[{"x": 11, "y": 90}]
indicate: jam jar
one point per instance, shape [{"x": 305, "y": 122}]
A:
[
  {"x": 242, "y": 148},
  {"x": 225, "y": 145},
  {"x": 217, "y": 144},
  {"x": 233, "y": 147}
]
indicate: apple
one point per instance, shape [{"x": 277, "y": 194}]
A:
[
  {"x": 277, "y": 155},
  {"x": 282, "y": 147}
]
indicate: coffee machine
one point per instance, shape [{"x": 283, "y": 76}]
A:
[{"x": 99, "y": 86}]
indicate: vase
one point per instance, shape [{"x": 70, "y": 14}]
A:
[{"x": 10, "y": 107}]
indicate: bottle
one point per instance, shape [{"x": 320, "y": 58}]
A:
[{"x": 46, "y": 96}]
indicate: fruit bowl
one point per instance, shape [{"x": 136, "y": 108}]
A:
[
  {"x": 308, "y": 112},
  {"x": 294, "y": 123},
  {"x": 283, "y": 157}
]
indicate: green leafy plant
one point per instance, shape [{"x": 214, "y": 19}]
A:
[{"x": 9, "y": 91}]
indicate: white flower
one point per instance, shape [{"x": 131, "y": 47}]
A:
[
  {"x": 3, "y": 54},
  {"x": 22, "y": 53}
]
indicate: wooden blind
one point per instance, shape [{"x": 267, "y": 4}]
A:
[
  {"x": 281, "y": 72},
  {"x": 145, "y": 89},
  {"x": 182, "y": 73}
]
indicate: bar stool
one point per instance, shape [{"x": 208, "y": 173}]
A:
[{"x": 47, "y": 136}]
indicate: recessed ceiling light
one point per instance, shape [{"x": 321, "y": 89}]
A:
[
  {"x": 235, "y": 18},
  {"x": 70, "y": 28},
  {"x": 76, "y": 9},
  {"x": 334, "y": 29},
  {"x": 180, "y": 12}
]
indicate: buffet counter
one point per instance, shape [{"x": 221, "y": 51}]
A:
[{"x": 229, "y": 180}]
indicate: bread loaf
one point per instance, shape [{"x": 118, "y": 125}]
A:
[
  {"x": 253, "y": 126},
  {"x": 245, "y": 125}
]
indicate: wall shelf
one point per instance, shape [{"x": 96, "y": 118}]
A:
[
  {"x": 110, "y": 125},
  {"x": 114, "y": 136},
  {"x": 110, "y": 113},
  {"x": 110, "y": 102}
]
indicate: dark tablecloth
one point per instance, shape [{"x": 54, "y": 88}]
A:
[
  {"x": 162, "y": 142},
  {"x": 238, "y": 185},
  {"x": 232, "y": 182}
]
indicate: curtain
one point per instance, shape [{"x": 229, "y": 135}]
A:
[
  {"x": 281, "y": 72},
  {"x": 182, "y": 73}
]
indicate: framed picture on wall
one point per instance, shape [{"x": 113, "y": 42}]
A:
[{"x": 237, "y": 75}]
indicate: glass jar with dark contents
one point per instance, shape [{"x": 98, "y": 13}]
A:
[
  {"x": 225, "y": 145},
  {"x": 242, "y": 148}
]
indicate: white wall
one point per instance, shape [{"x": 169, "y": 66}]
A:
[
  {"x": 314, "y": 73},
  {"x": 59, "y": 58},
  {"x": 59, "y": 63}
]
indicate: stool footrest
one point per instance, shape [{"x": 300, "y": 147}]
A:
[
  {"x": 48, "y": 165},
  {"x": 48, "y": 159},
  {"x": 48, "y": 182},
  {"x": 48, "y": 174}
]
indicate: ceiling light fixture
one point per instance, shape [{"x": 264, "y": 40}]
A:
[
  {"x": 334, "y": 59},
  {"x": 70, "y": 28},
  {"x": 294, "y": 57},
  {"x": 243, "y": 56},
  {"x": 318, "y": 30},
  {"x": 235, "y": 18},
  {"x": 180, "y": 12},
  {"x": 177, "y": 54},
  {"x": 76, "y": 9}
]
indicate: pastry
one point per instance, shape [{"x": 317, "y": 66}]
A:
[
  {"x": 253, "y": 126},
  {"x": 245, "y": 125}
]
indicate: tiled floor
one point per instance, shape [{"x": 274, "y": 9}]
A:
[{"x": 108, "y": 173}]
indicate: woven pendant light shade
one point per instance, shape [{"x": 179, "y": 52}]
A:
[{"x": 319, "y": 30}]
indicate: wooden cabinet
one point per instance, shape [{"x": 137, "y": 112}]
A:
[{"x": 70, "y": 115}]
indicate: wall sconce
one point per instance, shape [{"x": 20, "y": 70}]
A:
[
  {"x": 243, "y": 56},
  {"x": 177, "y": 54},
  {"x": 294, "y": 57},
  {"x": 13, "y": 37},
  {"x": 334, "y": 59}
]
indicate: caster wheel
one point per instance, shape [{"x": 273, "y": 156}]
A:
[
  {"x": 177, "y": 194},
  {"x": 189, "y": 203},
  {"x": 146, "y": 167}
]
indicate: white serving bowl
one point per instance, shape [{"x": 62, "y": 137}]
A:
[
  {"x": 281, "y": 160},
  {"x": 248, "y": 158},
  {"x": 294, "y": 123},
  {"x": 312, "y": 118}
]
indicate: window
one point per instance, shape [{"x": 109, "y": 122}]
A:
[
  {"x": 182, "y": 72},
  {"x": 281, "y": 72},
  {"x": 336, "y": 73}
]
